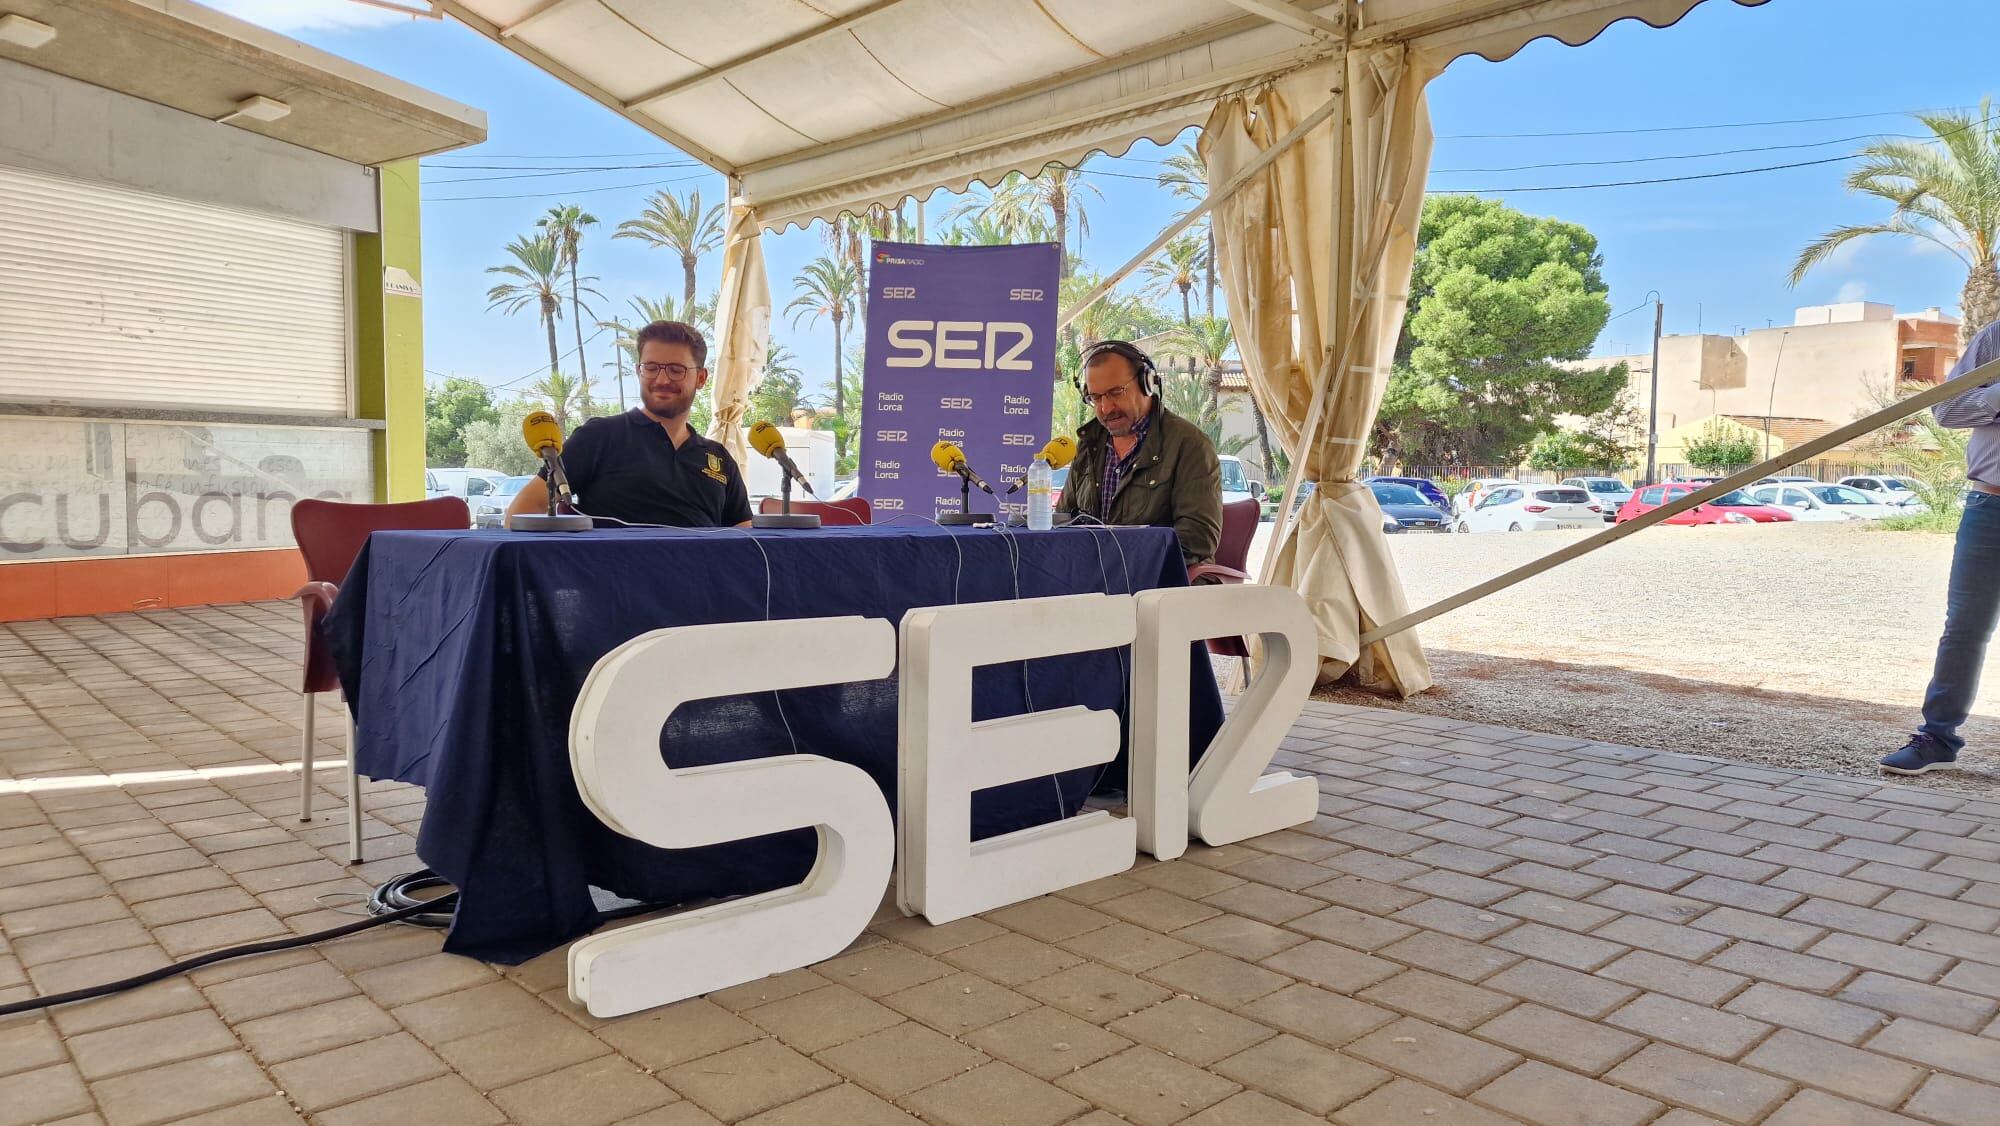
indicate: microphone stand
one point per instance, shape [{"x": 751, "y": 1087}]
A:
[
  {"x": 786, "y": 518},
  {"x": 965, "y": 516},
  {"x": 552, "y": 521}
]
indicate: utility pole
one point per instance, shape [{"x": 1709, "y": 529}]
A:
[
  {"x": 1771, "y": 401},
  {"x": 1653, "y": 409}
]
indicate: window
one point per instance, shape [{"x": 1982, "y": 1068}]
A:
[
  {"x": 477, "y": 486},
  {"x": 1652, "y": 495}
]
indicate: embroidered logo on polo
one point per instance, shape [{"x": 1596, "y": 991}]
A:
[{"x": 714, "y": 469}]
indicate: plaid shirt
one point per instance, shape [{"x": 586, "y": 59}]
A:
[{"x": 1116, "y": 468}]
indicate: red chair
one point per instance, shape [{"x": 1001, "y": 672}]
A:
[
  {"x": 1232, "y": 555},
  {"x": 831, "y": 513},
  {"x": 329, "y": 536}
]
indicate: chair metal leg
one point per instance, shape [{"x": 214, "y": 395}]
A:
[
  {"x": 353, "y": 797},
  {"x": 306, "y": 763}
]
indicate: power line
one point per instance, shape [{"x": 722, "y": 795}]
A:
[
  {"x": 566, "y": 191},
  {"x": 538, "y": 369},
  {"x": 1685, "y": 156},
  {"x": 1693, "y": 128},
  {"x": 545, "y": 173},
  {"x": 482, "y": 154},
  {"x": 1638, "y": 183}
]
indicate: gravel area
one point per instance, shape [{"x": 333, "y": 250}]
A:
[{"x": 1806, "y": 646}]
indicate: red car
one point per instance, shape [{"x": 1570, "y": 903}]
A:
[{"x": 1734, "y": 507}]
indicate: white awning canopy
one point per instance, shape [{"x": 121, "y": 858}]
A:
[{"x": 824, "y": 106}]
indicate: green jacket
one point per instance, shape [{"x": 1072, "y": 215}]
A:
[{"x": 1175, "y": 483}]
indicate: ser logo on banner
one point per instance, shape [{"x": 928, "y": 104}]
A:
[{"x": 944, "y": 756}]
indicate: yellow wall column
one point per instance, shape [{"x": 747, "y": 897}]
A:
[{"x": 389, "y": 334}]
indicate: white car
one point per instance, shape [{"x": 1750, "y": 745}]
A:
[
  {"x": 1477, "y": 489},
  {"x": 1237, "y": 484},
  {"x": 1609, "y": 492},
  {"x": 466, "y": 484},
  {"x": 1887, "y": 490},
  {"x": 1533, "y": 508},
  {"x": 1817, "y": 503}
]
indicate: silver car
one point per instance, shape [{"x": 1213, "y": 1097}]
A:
[{"x": 1608, "y": 492}]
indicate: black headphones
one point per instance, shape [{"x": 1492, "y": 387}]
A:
[{"x": 1146, "y": 375}]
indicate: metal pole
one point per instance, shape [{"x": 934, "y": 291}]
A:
[{"x": 1653, "y": 410}]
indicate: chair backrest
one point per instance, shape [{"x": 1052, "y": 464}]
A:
[
  {"x": 1239, "y": 527},
  {"x": 330, "y": 533},
  {"x": 831, "y": 513}
]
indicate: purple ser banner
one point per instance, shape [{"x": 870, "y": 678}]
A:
[{"x": 961, "y": 347}]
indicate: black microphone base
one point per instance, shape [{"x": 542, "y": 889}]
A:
[
  {"x": 965, "y": 519},
  {"x": 784, "y": 520},
  {"x": 542, "y": 522}
]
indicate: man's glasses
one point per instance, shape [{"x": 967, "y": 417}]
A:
[
  {"x": 1115, "y": 395},
  {"x": 655, "y": 371}
]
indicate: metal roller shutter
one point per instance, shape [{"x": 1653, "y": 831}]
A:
[{"x": 116, "y": 297}]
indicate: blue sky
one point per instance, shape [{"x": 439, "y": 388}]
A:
[{"x": 1716, "y": 249}]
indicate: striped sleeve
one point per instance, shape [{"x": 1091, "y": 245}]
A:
[{"x": 1981, "y": 405}]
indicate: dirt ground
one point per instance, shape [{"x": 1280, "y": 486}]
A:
[{"x": 1806, "y": 646}]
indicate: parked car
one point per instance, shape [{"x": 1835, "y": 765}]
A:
[
  {"x": 1433, "y": 494},
  {"x": 1478, "y": 488},
  {"x": 1889, "y": 490},
  {"x": 1733, "y": 507},
  {"x": 490, "y": 509},
  {"x": 1783, "y": 480},
  {"x": 1824, "y": 503},
  {"x": 1532, "y": 508},
  {"x": 467, "y": 484},
  {"x": 845, "y": 488},
  {"x": 1609, "y": 492},
  {"x": 1237, "y": 484},
  {"x": 1407, "y": 507}
]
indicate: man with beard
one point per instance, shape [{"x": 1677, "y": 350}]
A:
[
  {"x": 1139, "y": 463},
  {"x": 649, "y": 465}
]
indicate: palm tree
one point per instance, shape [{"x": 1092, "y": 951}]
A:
[
  {"x": 781, "y": 391},
  {"x": 680, "y": 225},
  {"x": 559, "y": 395},
  {"x": 984, "y": 230},
  {"x": 1946, "y": 191},
  {"x": 537, "y": 272},
  {"x": 624, "y": 338},
  {"x": 829, "y": 288},
  {"x": 1020, "y": 200},
  {"x": 565, "y": 223},
  {"x": 1185, "y": 174},
  {"x": 1177, "y": 268},
  {"x": 700, "y": 314},
  {"x": 1208, "y": 343},
  {"x": 1187, "y": 396}
]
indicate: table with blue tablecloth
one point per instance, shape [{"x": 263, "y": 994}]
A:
[{"x": 462, "y": 654}]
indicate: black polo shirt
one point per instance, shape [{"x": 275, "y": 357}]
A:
[{"x": 626, "y": 467}]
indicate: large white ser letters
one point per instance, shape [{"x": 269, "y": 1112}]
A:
[
  {"x": 943, "y": 757},
  {"x": 614, "y": 741}
]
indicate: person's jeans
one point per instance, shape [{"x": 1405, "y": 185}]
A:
[{"x": 1972, "y": 607}]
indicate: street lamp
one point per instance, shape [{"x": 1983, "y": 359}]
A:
[{"x": 1653, "y": 407}]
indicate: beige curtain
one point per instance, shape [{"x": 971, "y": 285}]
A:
[
  {"x": 742, "y": 328},
  {"x": 1314, "y": 254}
]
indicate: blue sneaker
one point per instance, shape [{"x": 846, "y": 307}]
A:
[{"x": 1920, "y": 754}]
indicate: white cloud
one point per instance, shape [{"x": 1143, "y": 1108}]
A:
[
  {"x": 291, "y": 16},
  {"x": 1851, "y": 290}
]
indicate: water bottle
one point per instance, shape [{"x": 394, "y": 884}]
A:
[{"x": 1040, "y": 517}]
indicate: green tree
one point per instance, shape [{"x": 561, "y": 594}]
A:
[
  {"x": 1946, "y": 191},
  {"x": 1177, "y": 269},
  {"x": 561, "y": 396},
  {"x": 537, "y": 271},
  {"x": 1018, "y": 203},
  {"x": 780, "y": 392},
  {"x": 1498, "y": 301},
  {"x": 1185, "y": 176},
  {"x": 1187, "y": 396},
  {"x": 829, "y": 288},
  {"x": 983, "y": 230},
  {"x": 449, "y": 408},
  {"x": 565, "y": 223},
  {"x": 1720, "y": 449},
  {"x": 1208, "y": 342},
  {"x": 495, "y": 443},
  {"x": 678, "y": 224}
]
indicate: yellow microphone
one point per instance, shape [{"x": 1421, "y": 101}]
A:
[
  {"x": 1058, "y": 452},
  {"x": 545, "y": 437},
  {"x": 948, "y": 457},
  {"x": 768, "y": 440}
]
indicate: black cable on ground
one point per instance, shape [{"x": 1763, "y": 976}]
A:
[{"x": 391, "y": 903}]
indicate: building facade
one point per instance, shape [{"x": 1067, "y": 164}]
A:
[{"x": 210, "y": 300}]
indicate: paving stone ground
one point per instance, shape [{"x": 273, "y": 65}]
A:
[{"x": 1483, "y": 925}]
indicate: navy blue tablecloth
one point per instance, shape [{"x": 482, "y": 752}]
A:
[{"x": 462, "y": 654}]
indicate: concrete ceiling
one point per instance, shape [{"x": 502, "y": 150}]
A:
[{"x": 194, "y": 59}]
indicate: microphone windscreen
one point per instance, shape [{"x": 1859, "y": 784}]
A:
[
  {"x": 947, "y": 456},
  {"x": 766, "y": 439},
  {"x": 1060, "y": 451},
  {"x": 540, "y": 431}
]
